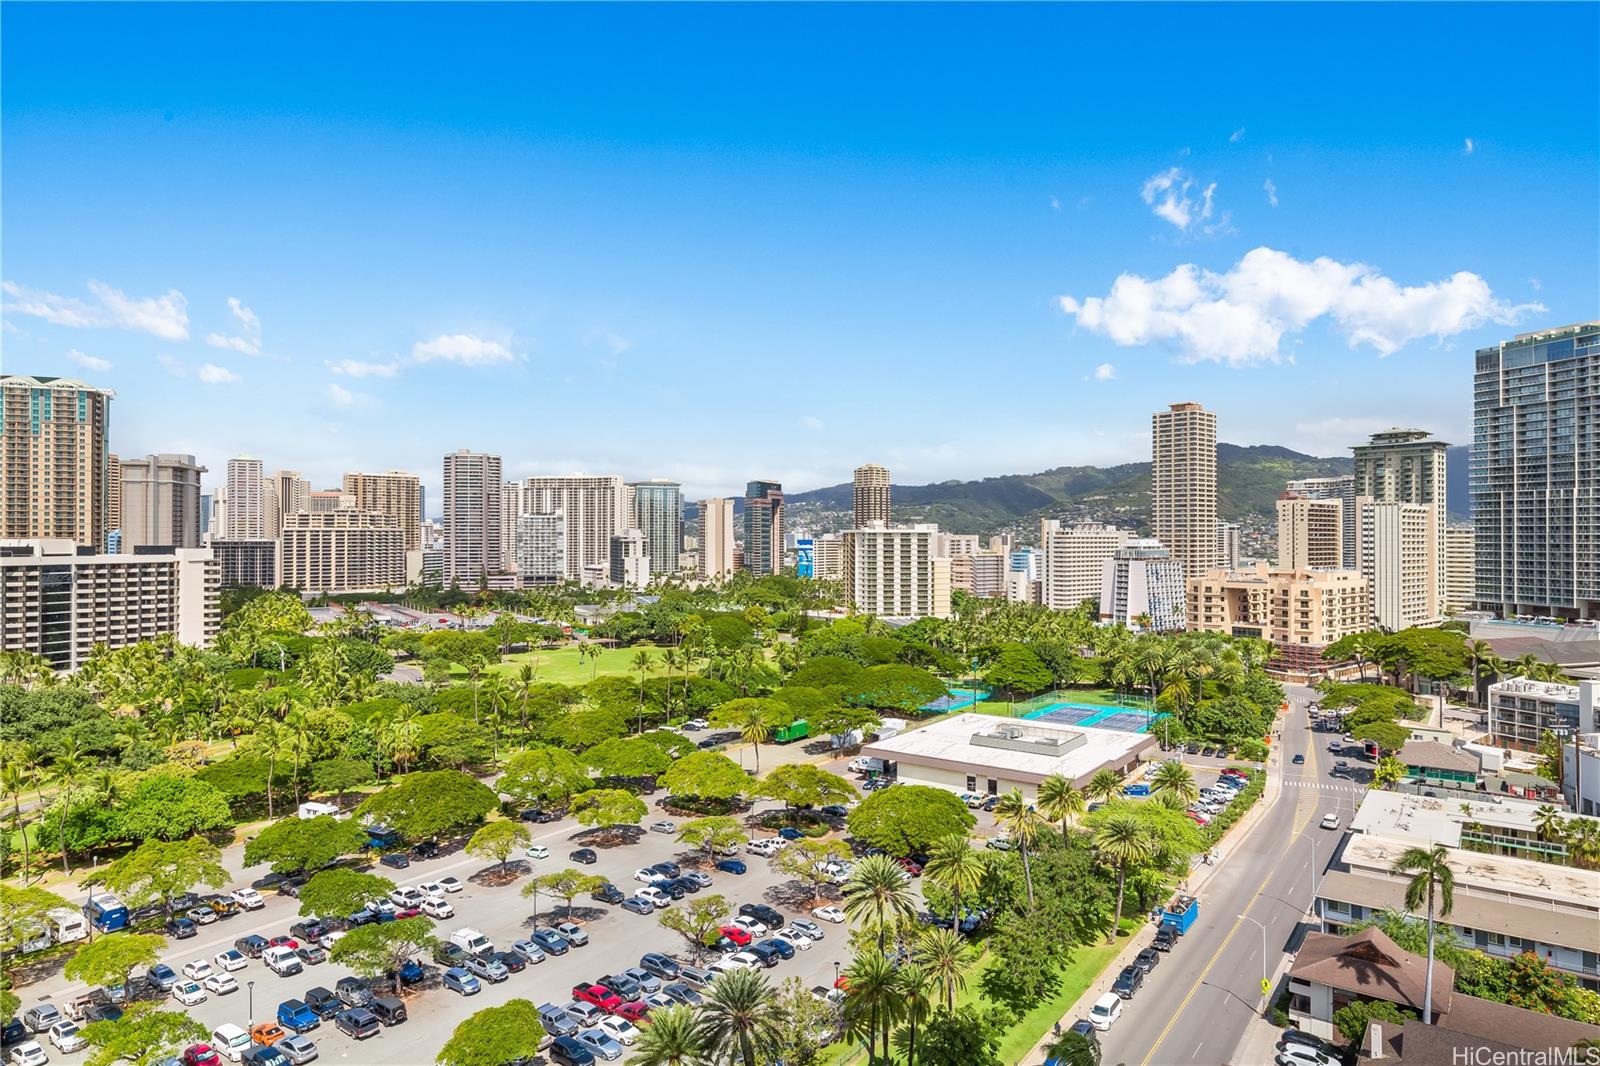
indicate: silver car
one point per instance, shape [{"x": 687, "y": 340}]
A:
[
  {"x": 297, "y": 1048},
  {"x": 530, "y": 952}
]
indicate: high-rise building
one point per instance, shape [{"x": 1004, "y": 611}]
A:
[
  {"x": 954, "y": 544},
  {"x": 287, "y": 492},
  {"x": 1074, "y": 561},
  {"x": 1397, "y": 548},
  {"x": 1184, "y": 484},
  {"x": 1228, "y": 544},
  {"x": 54, "y": 459},
  {"x": 893, "y": 572},
  {"x": 658, "y": 514},
  {"x": 1535, "y": 473},
  {"x": 61, "y": 600},
  {"x": 512, "y": 507},
  {"x": 472, "y": 546},
  {"x": 324, "y": 500},
  {"x": 246, "y": 563},
  {"x": 629, "y": 565},
  {"x": 342, "y": 551},
  {"x": 217, "y": 523},
  {"x": 1460, "y": 571},
  {"x": 541, "y": 549},
  {"x": 393, "y": 492},
  {"x": 1403, "y": 466},
  {"x": 114, "y": 503},
  {"x": 872, "y": 495},
  {"x": 763, "y": 528},
  {"x": 1300, "y": 611},
  {"x": 1142, "y": 587},
  {"x": 1310, "y": 533},
  {"x": 982, "y": 574},
  {"x": 716, "y": 538},
  {"x": 161, "y": 502},
  {"x": 246, "y": 517},
  {"x": 1342, "y": 488},
  {"x": 827, "y": 557},
  {"x": 596, "y": 507}
]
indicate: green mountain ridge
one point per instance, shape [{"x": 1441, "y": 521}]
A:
[{"x": 1249, "y": 479}]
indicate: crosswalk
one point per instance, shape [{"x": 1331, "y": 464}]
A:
[{"x": 1325, "y": 786}]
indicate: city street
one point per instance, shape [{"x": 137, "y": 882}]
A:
[
  {"x": 617, "y": 939},
  {"x": 1194, "y": 1007}
]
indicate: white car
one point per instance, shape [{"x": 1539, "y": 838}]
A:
[
  {"x": 450, "y": 884},
  {"x": 1106, "y": 1010},
  {"x": 431, "y": 890},
  {"x": 663, "y": 827},
  {"x": 66, "y": 1037},
  {"x": 1301, "y": 1055},
  {"x": 27, "y": 1053},
  {"x": 437, "y": 908},
  {"x": 620, "y": 1029},
  {"x": 406, "y": 897},
  {"x": 727, "y": 964},
  {"x": 807, "y": 927},
  {"x": 645, "y": 875},
  {"x": 829, "y": 914},
  {"x": 750, "y": 925},
  {"x": 232, "y": 959},
  {"x": 660, "y": 1001},
  {"x": 796, "y": 939},
  {"x": 220, "y": 984},
  {"x": 654, "y": 896},
  {"x": 538, "y": 851},
  {"x": 198, "y": 970},
  {"x": 1330, "y": 821},
  {"x": 328, "y": 939},
  {"x": 697, "y": 723},
  {"x": 249, "y": 899},
  {"x": 189, "y": 993}
]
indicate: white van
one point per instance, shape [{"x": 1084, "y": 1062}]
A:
[
  {"x": 230, "y": 1041},
  {"x": 67, "y": 926},
  {"x": 472, "y": 941},
  {"x": 282, "y": 961},
  {"x": 1106, "y": 1010},
  {"x": 318, "y": 810}
]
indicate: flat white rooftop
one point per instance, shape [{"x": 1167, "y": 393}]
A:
[
  {"x": 1526, "y": 881},
  {"x": 1430, "y": 820},
  {"x": 1020, "y": 749}
]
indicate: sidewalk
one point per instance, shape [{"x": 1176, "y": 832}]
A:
[{"x": 1259, "y": 1043}]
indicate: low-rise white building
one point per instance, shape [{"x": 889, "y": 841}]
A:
[{"x": 1521, "y": 711}]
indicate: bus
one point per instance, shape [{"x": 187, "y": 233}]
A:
[{"x": 106, "y": 912}]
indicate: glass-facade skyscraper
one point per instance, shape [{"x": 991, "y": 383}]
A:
[
  {"x": 658, "y": 514},
  {"x": 763, "y": 527}
]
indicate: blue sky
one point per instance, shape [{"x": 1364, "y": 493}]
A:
[{"x": 718, "y": 243}]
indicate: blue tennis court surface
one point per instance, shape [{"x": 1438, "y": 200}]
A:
[
  {"x": 954, "y": 700},
  {"x": 1127, "y": 719}
]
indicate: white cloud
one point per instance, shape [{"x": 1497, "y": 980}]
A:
[
  {"x": 461, "y": 348},
  {"x": 237, "y": 344},
  {"x": 1241, "y": 317},
  {"x": 1272, "y": 191},
  {"x": 1055, "y": 204},
  {"x": 1236, "y": 136},
  {"x": 1105, "y": 372},
  {"x": 355, "y": 368},
  {"x": 247, "y": 318},
  {"x": 249, "y": 342},
  {"x": 1469, "y": 146},
  {"x": 212, "y": 374},
  {"x": 813, "y": 423},
  {"x": 341, "y": 396},
  {"x": 1168, "y": 195},
  {"x": 173, "y": 366},
  {"x": 88, "y": 362},
  {"x": 164, "y": 316}
]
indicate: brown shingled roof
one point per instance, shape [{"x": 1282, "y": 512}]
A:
[{"x": 1371, "y": 965}]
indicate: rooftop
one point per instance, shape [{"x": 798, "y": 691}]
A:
[
  {"x": 1432, "y": 755},
  {"x": 1370, "y": 965},
  {"x": 1549, "y": 690},
  {"x": 1431, "y": 820},
  {"x": 1029, "y": 751},
  {"x": 1503, "y": 877}
]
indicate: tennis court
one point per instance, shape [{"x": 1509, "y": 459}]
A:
[
  {"x": 1126, "y": 719},
  {"x": 954, "y": 700}
]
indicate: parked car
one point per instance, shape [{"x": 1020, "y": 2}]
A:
[
  {"x": 267, "y": 1033},
  {"x": 27, "y": 1053},
  {"x": 198, "y": 1055},
  {"x": 663, "y": 827},
  {"x": 512, "y": 960},
  {"x": 682, "y": 993},
  {"x": 66, "y": 1038},
  {"x": 732, "y": 866},
  {"x": 600, "y": 1044},
  {"x": 663, "y": 966},
  {"x": 447, "y": 954},
  {"x": 808, "y": 927},
  {"x": 297, "y": 1016},
  {"x": 830, "y": 914},
  {"x": 654, "y": 895},
  {"x": 489, "y": 969},
  {"x": 1166, "y": 938},
  {"x": 556, "y": 1021},
  {"x": 621, "y": 1030},
  {"x": 586, "y": 856},
  {"x": 572, "y": 934},
  {"x": 1128, "y": 982},
  {"x": 764, "y": 954},
  {"x": 598, "y": 996},
  {"x": 353, "y": 991},
  {"x": 298, "y": 1049},
  {"x": 537, "y": 851},
  {"x": 782, "y": 947},
  {"x": 624, "y": 986},
  {"x": 323, "y": 1002},
  {"x": 568, "y": 1051},
  {"x": 358, "y": 1023},
  {"x": 1105, "y": 1012},
  {"x": 1147, "y": 959},
  {"x": 220, "y": 984},
  {"x": 231, "y": 959},
  {"x": 389, "y": 1011},
  {"x": 695, "y": 976},
  {"x": 647, "y": 981},
  {"x": 458, "y": 980},
  {"x": 737, "y": 934},
  {"x": 608, "y": 893},
  {"x": 638, "y": 906},
  {"x": 182, "y": 928},
  {"x": 161, "y": 976},
  {"x": 550, "y": 941},
  {"x": 395, "y": 860},
  {"x": 530, "y": 952},
  {"x": 1301, "y": 1055}
]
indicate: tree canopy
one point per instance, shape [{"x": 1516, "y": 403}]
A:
[
  {"x": 431, "y": 804},
  {"x": 293, "y": 845},
  {"x": 908, "y": 819},
  {"x": 496, "y": 1036}
]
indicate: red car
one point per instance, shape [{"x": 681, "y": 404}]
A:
[
  {"x": 408, "y": 912},
  {"x": 633, "y": 1012},
  {"x": 739, "y": 936},
  {"x": 910, "y": 867},
  {"x": 598, "y": 995},
  {"x": 201, "y": 1055},
  {"x": 283, "y": 942}
]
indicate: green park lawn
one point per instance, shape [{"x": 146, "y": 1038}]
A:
[{"x": 565, "y": 666}]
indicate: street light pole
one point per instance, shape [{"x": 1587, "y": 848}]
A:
[
  {"x": 250, "y": 988},
  {"x": 1263, "y": 929}
]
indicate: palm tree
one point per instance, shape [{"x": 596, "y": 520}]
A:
[
  {"x": 954, "y": 865},
  {"x": 1176, "y": 778},
  {"x": 873, "y": 998},
  {"x": 588, "y": 649},
  {"x": 739, "y": 1019},
  {"x": 671, "y": 1039},
  {"x": 671, "y": 659},
  {"x": 1058, "y": 799},
  {"x": 1104, "y": 785},
  {"x": 16, "y": 777},
  {"x": 1583, "y": 843},
  {"x": 945, "y": 957},
  {"x": 1123, "y": 841},
  {"x": 1021, "y": 822},
  {"x": 915, "y": 984},
  {"x": 1549, "y": 824},
  {"x": 754, "y": 727},
  {"x": 645, "y": 664},
  {"x": 68, "y": 769},
  {"x": 1074, "y": 1049},
  {"x": 878, "y": 895},
  {"x": 1480, "y": 651},
  {"x": 1432, "y": 877}
]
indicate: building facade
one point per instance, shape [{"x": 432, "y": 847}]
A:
[
  {"x": 472, "y": 545},
  {"x": 1397, "y": 552},
  {"x": 1521, "y": 711},
  {"x": 716, "y": 538},
  {"x": 1535, "y": 473},
  {"x": 1310, "y": 533},
  {"x": 1073, "y": 561},
  {"x": 246, "y": 514},
  {"x": 1343, "y": 489},
  {"x": 1300, "y": 611},
  {"x": 1142, "y": 587},
  {"x": 982, "y": 574},
  {"x": 630, "y": 561},
  {"x": 763, "y": 528},
  {"x": 246, "y": 563},
  {"x": 55, "y": 459},
  {"x": 1460, "y": 568},
  {"x": 113, "y": 522},
  {"x": 596, "y": 508},
  {"x": 60, "y": 604},
  {"x": 394, "y": 493},
  {"x": 287, "y": 492},
  {"x": 1228, "y": 545},
  {"x": 893, "y": 572},
  {"x": 827, "y": 557},
  {"x": 658, "y": 514},
  {"x": 1184, "y": 484},
  {"x": 342, "y": 551},
  {"x": 542, "y": 549},
  {"x": 871, "y": 495},
  {"x": 1405, "y": 466},
  {"x": 161, "y": 502}
]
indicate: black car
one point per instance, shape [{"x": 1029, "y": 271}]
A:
[
  {"x": 566, "y": 1051},
  {"x": 764, "y": 951},
  {"x": 1147, "y": 959},
  {"x": 585, "y": 856},
  {"x": 667, "y": 869},
  {"x": 608, "y": 893},
  {"x": 323, "y": 1002},
  {"x": 672, "y": 888},
  {"x": 310, "y": 929},
  {"x": 13, "y": 1033},
  {"x": 513, "y": 962},
  {"x": 990, "y": 803},
  {"x": 1166, "y": 938},
  {"x": 251, "y": 946},
  {"x": 100, "y": 1012},
  {"x": 426, "y": 850},
  {"x": 764, "y": 914},
  {"x": 1192, "y": 749},
  {"x": 1128, "y": 982},
  {"x": 395, "y": 860},
  {"x": 181, "y": 928},
  {"x": 662, "y": 966},
  {"x": 688, "y": 884},
  {"x": 1304, "y": 1039}
]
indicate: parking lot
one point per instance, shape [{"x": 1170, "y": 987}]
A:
[{"x": 617, "y": 939}]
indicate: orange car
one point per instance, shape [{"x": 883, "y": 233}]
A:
[{"x": 267, "y": 1033}]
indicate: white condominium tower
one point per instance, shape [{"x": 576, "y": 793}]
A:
[
  {"x": 472, "y": 545},
  {"x": 1535, "y": 473},
  {"x": 1184, "y": 484},
  {"x": 596, "y": 508},
  {"x": 871, "y": 495},
  {"x": 246, "y": 517},
  {"x": 716, "y": 537},
  {"x": 1074, "y": 561},
  {"x": 894, "y": 573},
  {"x": 1401, "y": 469},
  {"x": 1341, "y": 487}
]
